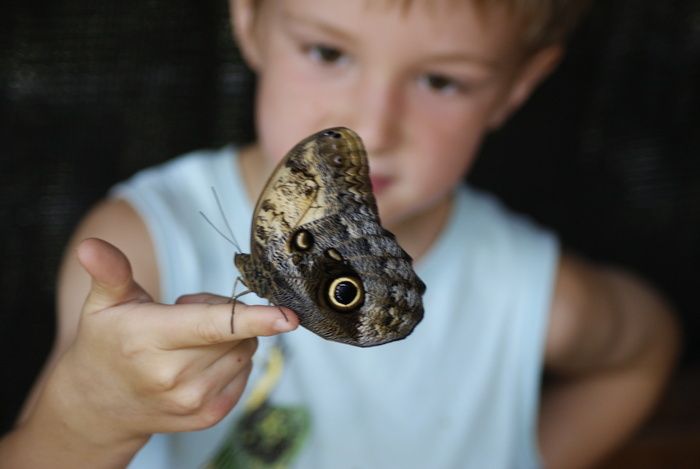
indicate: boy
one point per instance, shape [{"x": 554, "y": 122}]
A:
[{"x": 421, "y": 83}]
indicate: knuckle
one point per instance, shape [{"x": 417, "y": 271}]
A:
[
  {"x": 187, "y": 401},
  {"x": 164, "y": 380}
]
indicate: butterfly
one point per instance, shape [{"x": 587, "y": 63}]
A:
[{"x": 318, "y": 247}]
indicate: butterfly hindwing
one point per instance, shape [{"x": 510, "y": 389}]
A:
[{"x": 317, "y": 246}]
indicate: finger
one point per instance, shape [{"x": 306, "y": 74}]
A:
[
  {"x": 204, "y": 357},
  {"x": 197, "y": 325},
  {"x": 231, "y": 393},
  {"x": 203, "y": 298},
  {"x": 202, "y": 385},
  {"x": 215, "y": 407},
  {"x": 201, "y": 358},
  {"x": 209, "y": 299},
  {"x": 225, "y": 369},
  {"x": 112, "y": 279}
]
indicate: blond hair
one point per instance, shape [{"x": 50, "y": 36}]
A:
[
  {"x": 544, "y": 22},
  {"x": 541, "y": 22}
]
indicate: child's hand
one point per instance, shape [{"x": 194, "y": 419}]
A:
[{"x": 138, "y": 367}]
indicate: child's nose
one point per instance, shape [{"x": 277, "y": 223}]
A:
[{"x": 376, "y": 115}]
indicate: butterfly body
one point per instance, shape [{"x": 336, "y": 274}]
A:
[{"x": 318, "y": 248}]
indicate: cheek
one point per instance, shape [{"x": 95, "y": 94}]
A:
[
  {"x": 287, "y": 110},
  {"x": 448, "y": 152},
  {"x": 434, "y": 169},
  {"x": 277, "y": 117},
  {"x": 434, "y": 179}
]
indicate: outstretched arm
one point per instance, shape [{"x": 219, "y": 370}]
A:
[
  {"x": 124, "y": 366},
  {"x": 611, "y": 345}
]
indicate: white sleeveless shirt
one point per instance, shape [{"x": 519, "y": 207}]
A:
[{"x": 462, "y": 391}]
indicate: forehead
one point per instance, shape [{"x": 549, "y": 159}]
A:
[
  {"x": 446, "y": 24},
  {"x": 486, "y": 9},
  {"x": 420, "y": 4}
]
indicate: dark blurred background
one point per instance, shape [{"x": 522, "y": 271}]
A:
[{"x": 606, "y": 153}]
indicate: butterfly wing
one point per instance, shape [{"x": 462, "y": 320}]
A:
[{"x": 317, "y": 246}]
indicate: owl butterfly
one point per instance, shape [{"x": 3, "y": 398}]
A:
[{"x": 318, "y": 248}]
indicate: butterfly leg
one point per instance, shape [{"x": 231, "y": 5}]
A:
[
  {"x": 234, "y": 300},
  {"x": 281, "y": 311}
]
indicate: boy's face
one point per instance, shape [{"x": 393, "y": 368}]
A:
[{"x": 420, "y": 85}]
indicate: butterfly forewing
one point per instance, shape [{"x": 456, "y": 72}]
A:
[{"x": 317, "y": 246}]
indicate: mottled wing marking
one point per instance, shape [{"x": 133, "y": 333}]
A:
[{"x": 322, "y": 187}]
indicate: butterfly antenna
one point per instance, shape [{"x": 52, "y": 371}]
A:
[
  {"x": 231, "y": 238},
  {"x": 218, "y": 230}
]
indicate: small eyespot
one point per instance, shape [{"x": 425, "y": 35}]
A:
[
  {"x": 345, "y": 294},
  {"x": 332, "y": 133},
  {"x": 337, "y": 160},
  {"x": 333, "y": 254},
  {"x": 302, "y": 240}
]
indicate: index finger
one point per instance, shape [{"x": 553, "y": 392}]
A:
[{"x": 201, "y": 324}]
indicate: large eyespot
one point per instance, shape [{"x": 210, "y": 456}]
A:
[
  {"x": 301, "y": 240},
  {"x": 345, "y": 293}
]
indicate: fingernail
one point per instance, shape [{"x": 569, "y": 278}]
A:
[{"x": 282, "y": 325}]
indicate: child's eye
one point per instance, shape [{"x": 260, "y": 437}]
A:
[
  {"x": 441, "y": 83},
  {"x": 325, "y": 54}
]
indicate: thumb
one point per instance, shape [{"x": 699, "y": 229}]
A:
[{"x": 112, "y": 280}]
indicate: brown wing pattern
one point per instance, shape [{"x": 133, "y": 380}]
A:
[{"x": 317, "y": 246}]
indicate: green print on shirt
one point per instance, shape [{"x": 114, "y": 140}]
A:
[{"x": 266, "y": 436}]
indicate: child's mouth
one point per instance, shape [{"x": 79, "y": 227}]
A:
[{"x": 379, "y": 183}]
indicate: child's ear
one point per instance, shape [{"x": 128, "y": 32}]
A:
[
  {"x": 243, "y": 13},
  {"x": 530, "y": 74}
]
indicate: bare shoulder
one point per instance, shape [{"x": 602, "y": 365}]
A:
[
  {"x": 115, "y": 221},
  {"x": 603, "y": 316}
]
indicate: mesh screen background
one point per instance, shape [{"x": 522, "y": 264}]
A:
[{"x": 606, "y": 152}]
